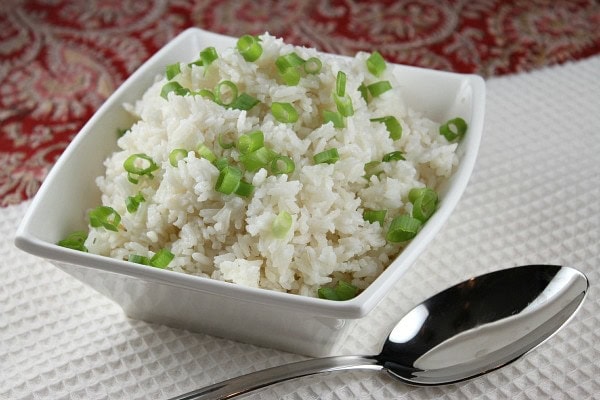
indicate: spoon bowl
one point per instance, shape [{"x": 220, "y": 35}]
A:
[{"x": 465, "y": 331}]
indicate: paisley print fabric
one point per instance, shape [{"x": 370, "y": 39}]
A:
[{"x": 60, "y": 59}]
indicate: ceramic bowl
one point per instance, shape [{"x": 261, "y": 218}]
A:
[{"x": 289, "y": 322}]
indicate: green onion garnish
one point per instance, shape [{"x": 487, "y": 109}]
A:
[
  {"x": 249, "y": 47},
  {"x": 378, "y": 88},
  {"x": 132, "y": 203},
  {"x": 225, "y": 93},
  {"x": 342, "y": 291},
  {"x": 334, "y": 117},
  {"x": 136, "y": 258},
  {"x": 207, "y": 94},
  {"x": 454, "y": 129},
  {"x": 257, "y": 159},
  {"x": 208, "y": 55},
  {"x": 290, "y": 60},
  {"x": 75, "y": 241},
  {"x": 139, "y": 164},
  {"x": 372, "y": 168},
  {"x": 328, "y": 156},
  {"x": 424, "y": 204},
  {"x": 244, "y": 102},
  {"x": 221, "y": 163},
  {"x": 344, "y": 105},
  {"x": 204, "y": 152},
  {"x": 221, "y": 139},
  {"x": 284, "y": 112},
  {"x": 174, "y": 87},
  {"x": 162, "y": 258},
  {"x": 228, "y": 180},
  {"x": 340, "y": 84},
  {"x": 415, "y": 193},
  {"x": 313, "y": 66},
  {"x": 364, "y": 92},
  {"x": 176, "y": 155},
  {"x": 393, "y": 156},
  {"x": 249, "y": 142},
  {"x": 173, "y": 70},
  {"x": 104, "y": 216},
  {"x": 392, "y": 125},
  {"x": 281, "y": 224},
  {"x": 403, "y": 228},
  {"x": 122, "y": 131},
  {"x": 291, "y": 76},
  {"x": 376, "y": 64},
  {"x": 244, "y": 189},
  {"x": 282, "y": 165},
  {"x": 374, "y": 216}
]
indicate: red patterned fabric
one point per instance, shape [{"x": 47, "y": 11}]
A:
[{"x": 60, "y": 59}]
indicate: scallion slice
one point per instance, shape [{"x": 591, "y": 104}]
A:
[
  {"x": 174, "y": 87},
  {"x": 344, "y": 105},
  {"x": 228, "y": 180},
  {"x": 106, "y": 217},
  {"x": 138, "y": 165},
  {"x": 257, "y": 159},
  {"x": 392, "y": 125},
  {"x": 282, "y": 165},
  {"x": 376, "y": 64},
  {"x": 132, "y": 203},
  {"x": 334, "y": 117},
  {"x": 249, "y": 47},
  {"x": 454, "y": 129},
  {"x": 290, "y": 60},
  {"x": 161, "y": 258},
  {"x": 375, "y": 216},
  {"x": 403, "y": 228},
  {"x": 372, "y": 168},
  {"x": 173, "y": 70},
  {"x": 207, "y": 94},
  {"x": 378, "y": 88},
  {"x": 291, "y": 76},
  {"x": 328, "y": 156},
  {"x": 425, "y": 204},
  {"x": 313, "y": 66},
  {"x": 393, "y": 156},
  {"x": 75, "y": 240},
  {"x": 340, "y": 84},
  {"x": 249, "y": 142},
  {"x": 222, "y": 140},
  {"x": 221, "y": 163},
  {"x": 225, "y": 93},
  {"x": 177, "y": 154},
  {"x": 208, "y": 55},
  {"x": 244, "y": 189},
  {"x": 281, "y": 224},
  {"x": 136, "y": 258},
  {"x": 203, "y": 151},
  {"x": 284, "y": 112},
  {"x": 342, "y": 291},
  {"x": 244, "y": 102},
  {"x": 364, "y": 92}
]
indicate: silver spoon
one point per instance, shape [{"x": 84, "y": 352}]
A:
[{"x": 462, "y": 332}]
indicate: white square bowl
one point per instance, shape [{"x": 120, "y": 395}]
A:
[{"x": 288, "y": 322}]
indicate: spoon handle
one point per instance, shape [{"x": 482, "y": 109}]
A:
[{"x": 255, "y": 380}]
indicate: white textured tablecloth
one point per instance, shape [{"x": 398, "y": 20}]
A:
[{"x": 534, "y": 197}]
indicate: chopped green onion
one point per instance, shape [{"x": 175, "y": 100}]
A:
[
  {"x": 281, "y": 224},
  {"x": 132, "y": 203},
  {"x": 364, "y": 92},
  {"x": 208, "y": 55},
  {"x": 374, "y": 216},
  {"x": 425, "y": 204},
  {"x": 132, "y": 166},
  {"x": 403, "y": 228},
  {"x": 244, "y": 102},
  {"x": 328, "y": 156},
  {"x": 104, "y": 216},
  {"x": 174, "y": 87},
  {"x": 75, "y": 240},
  {"x": 228, "y": 180},
  {"x": 225, "y": 93},
  {"x": 334, "y": 117},
  {"x": 372, "y": 168},
  {"x": 122, "y": 131},
  {"x": 249, "y": 142},
  {"x": 454, "y": 129},
  {"x": 290, "y": 60},
  {"x": 284, "y": 112},
  {"x": 223, "y": 141},
  {"x": 415, "y": 193},
  {"x": 340, "y": 84},
  {"x": 282, "y": 165},
  {"x": 342, "y": 291},
  {"x": 313, "y": 66},
  {"x": 344, "y": 105},
  {"x": 173, "y": 70},
  {"x": 162, "y": 258},
  {"x": 393, "y": 156},
  {"x": 176, "y": 155},
  {"x": 244, "y": 189},
  {"x": 249, "y": 47},
  {"x": 291, "y": 76},
  {"x": 378, "y": 88},
  {"x": 221, "y": 163},
  {"x": 257, "y": 159},
  {"x": 136, "y": 258},
  {"x": 207, "y": 94},
  {"x": 392, "y": 125},
  {"x": 204, "y": 152},
  {"x": 376, "y": 64}
]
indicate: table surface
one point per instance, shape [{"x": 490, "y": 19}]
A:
[{"x": 533, "y": 196}]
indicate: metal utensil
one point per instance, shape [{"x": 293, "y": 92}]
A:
[{"x": 462, "y": 332}]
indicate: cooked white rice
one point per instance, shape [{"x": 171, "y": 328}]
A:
[{"x": 228, "y": 237}]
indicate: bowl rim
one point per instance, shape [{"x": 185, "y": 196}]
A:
[{"x": 350, "y": 309}]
